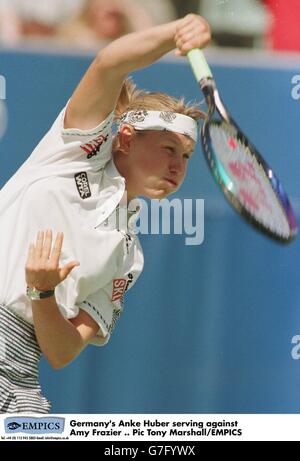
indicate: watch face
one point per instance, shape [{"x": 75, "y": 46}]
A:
[{"x": 33, "y": 293}]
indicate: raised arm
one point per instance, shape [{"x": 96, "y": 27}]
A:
[{"x": 97, "y": 93}]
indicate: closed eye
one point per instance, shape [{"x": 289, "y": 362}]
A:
[{"x": 170, "y": 149}]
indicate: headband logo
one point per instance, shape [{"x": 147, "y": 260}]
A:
[
  {"x": 137, "y": 116},
  {"x": 168, "y": 117}
]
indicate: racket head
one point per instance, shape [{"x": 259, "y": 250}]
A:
[{"x": 247, "y": 181}]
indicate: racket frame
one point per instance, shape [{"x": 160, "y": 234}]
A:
[{"x": 214, "y": 103}]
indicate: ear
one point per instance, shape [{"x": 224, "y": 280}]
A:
[{"x": 126, "y": 135}]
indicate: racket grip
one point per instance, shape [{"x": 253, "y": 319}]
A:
[{"x": 199, "y": 64}]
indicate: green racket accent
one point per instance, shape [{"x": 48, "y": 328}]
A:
[
  {"x": 199, "y": 64},
  {"x": 224, "y": 176}
]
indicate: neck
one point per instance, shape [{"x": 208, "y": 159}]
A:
[{"x": 121, "y": 166}]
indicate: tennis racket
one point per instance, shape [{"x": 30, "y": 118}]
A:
[{"x": 246, "y": 180}]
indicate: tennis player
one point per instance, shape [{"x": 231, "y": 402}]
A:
[{"x": 65, "y": 264}]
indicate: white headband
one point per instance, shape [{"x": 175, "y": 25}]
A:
[{"x": 161, "y": 121}]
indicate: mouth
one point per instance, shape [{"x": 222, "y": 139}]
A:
[{"x": 170, "y": 181}]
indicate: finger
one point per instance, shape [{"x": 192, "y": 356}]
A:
[
  {"x": 39, "y": 244},
  {"x": 186, "y": 36},
  {"x": 30, "y": 255},
  {"x": 198, "y": 28},
  {"x": 178, "y": 53},
  {"x": 188, "y": 45},
  {"x": 47, "y": 244},
  {"x": 186, "y": 30},
  {"x": 54, "y": 258},
  {"x": 196, "y": 37},
  {"x": 187, "y": 25},
  {"x": 181, "y": 44},
  {"x": 65, "y": 271},
  {"x": 186, "y": 21}
]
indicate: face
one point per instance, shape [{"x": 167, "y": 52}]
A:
[{"x": 154, "y": 162}]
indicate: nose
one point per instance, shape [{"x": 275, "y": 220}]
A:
[{"x": 177, "y": 165}]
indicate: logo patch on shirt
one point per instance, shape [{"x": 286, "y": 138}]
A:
[
  {"x": 119, "y": 287},
  {"x": 82, "y": 184},
  {"x": 92, "y": 148},
  {"x": 129, "y": 281}
]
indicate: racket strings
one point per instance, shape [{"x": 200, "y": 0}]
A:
[{"x": 246, "y": 179}]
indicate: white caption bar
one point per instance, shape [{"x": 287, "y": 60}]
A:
[{"x": 149, "y": 427}]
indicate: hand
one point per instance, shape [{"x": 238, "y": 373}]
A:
[
  {"x": 192, "y": 31},
  {"x": 42, "y": 266}
]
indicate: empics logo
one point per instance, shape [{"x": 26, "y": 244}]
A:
[
  {"x": 82, "y": 184},
  {"x": 13, "y": 426},
  {"x": 49, "y": 425}
]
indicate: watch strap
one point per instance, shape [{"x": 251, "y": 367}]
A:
[{"x": 46, "y": 294}]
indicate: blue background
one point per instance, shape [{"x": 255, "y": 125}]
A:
[{"x": 207, "y": 329}]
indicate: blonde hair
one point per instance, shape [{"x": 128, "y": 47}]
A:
[{"x": 133, "y": 98}]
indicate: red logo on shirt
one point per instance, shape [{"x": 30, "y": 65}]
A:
[
  {"x": 119, "y": 287},
  {"x": 92, "y": 148}
]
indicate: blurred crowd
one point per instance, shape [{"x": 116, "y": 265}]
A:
[{"x": 86, "y": 24}]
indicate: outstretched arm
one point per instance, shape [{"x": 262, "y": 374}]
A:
[{"x": 97, "y": 93}]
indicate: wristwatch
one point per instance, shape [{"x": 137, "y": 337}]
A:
[{"x": 35, "y": 294}]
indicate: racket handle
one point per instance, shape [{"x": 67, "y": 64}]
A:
[{"x": 199, "y": 64}]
